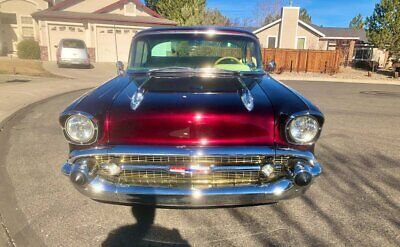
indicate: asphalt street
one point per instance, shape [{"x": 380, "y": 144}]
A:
[{"x": 356, "y": 202}]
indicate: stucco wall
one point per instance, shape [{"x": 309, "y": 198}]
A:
[
  {"x": 11, "y": 34},
  {"x": 89, "y": 6},
  {"x": 289, "y": 24},
  {"x": 312, "y": 39},
  {"x": 271, "y": 31},
  {"x": 121, "y": 11}
]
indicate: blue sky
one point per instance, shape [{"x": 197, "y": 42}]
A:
[{"x": 335, "y": 13}]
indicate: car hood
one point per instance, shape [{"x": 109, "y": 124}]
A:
[{"x": 184, "y": 112}]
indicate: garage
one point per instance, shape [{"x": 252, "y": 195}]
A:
[
  {"x": 58, "y": 32},
  {"x": 107, "y": 35},
  {"x": 113, "y": 43}
]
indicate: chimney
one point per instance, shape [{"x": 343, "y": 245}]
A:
[{"x": 290, "y": 18}]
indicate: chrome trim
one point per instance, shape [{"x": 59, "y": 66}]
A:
[
  {"x": 247, "y": 99},
  {"x": 129, "y": 167},
  {"x": 137, "y": 98},
  {"x": 69, "y": 114},
  {"x": 106, "y": 191},
  {"x": 102, "y": 190},
  {"x": 235, "y": 168},
  {"x": 294, "y": 116},
  {"x": 189, "y": 151}
]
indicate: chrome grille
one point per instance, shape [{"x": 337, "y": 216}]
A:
[
  {"x": 165, "y": 178},
  {"x": 167, "y": 159}
]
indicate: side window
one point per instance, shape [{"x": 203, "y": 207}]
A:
[
  {"x": 271, "y": 42},
  {"x": 141, "y": 54},
  {"x": 251, "y": 55}
]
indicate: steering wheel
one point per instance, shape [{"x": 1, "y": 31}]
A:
[{"x": 227, "y": 58}]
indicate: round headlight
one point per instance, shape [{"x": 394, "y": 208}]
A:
[
  {"x": 80, "y": 128},
  {"x": 303, "y": 129}
]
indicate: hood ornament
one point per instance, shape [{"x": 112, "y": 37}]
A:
[
  {"x": 137, "y": 98},
  {"x": 247, "y": 99}
]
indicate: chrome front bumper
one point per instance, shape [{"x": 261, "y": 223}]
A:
[{"x": 105, "y": 191}]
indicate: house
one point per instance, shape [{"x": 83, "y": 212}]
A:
[
  {"x": 289, "y": 32},
  {"x": 106, "y": 26},
  {"x": 16, "y": 22}
]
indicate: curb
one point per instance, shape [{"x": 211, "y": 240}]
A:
[
  {"x": 11, "y": 220},
  {"x": 337, "y": 80},
  {"x": 16, "y": 113}
]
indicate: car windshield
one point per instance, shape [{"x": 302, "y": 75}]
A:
[
  {"x": 70, "y": 43},
  {"x": 195, "y": 51}
]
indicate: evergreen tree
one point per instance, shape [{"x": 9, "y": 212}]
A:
[
  {"x": 383, "y": 27},
  {"x": 271, "y": 18},
  {"x": 357, "y": 22},
  {"x": 304, "y": 16},
  {"x": 151, "y": 4},
  {"x": 184, "y": 12},
  {"x": 214, "y": 17}
]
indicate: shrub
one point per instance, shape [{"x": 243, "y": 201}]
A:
[{"x": 28, "y": 49}]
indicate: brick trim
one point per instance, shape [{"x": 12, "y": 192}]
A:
[
  {"x": 44, "y": 53},
  {"x": 92, "y": 54}
]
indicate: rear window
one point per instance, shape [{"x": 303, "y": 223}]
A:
[{"x": 74, "y": 44}]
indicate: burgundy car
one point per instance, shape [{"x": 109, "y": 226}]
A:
[{"x": 193, "y": 121}]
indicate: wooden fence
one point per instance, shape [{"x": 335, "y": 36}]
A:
[{"x": 303, "y": 60}]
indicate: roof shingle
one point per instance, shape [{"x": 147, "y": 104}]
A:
[
  {"x": 342, "y": 32},
  {"x": 77, "y": 16}
]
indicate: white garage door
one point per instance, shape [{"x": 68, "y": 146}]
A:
[
  {"x": 107, "y": 49},
  {"x": 58, "y": 32}
]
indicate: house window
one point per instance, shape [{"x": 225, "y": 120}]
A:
[
  {"x": 27, "y": 32},
  {"x": 301, "y": 43},
  {"x": 26, "y": 20},
  {"x": 8, "y": 18},
  {"x": 271, "y": 42}
]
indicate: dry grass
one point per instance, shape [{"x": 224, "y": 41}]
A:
[
  {"x": 346, "y": 73},
  {"x": 16, "y": 66}
]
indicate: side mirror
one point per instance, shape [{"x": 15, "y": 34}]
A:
[
  {"x": 271, "y": 66},
  {"x": 120, "y": 68}
]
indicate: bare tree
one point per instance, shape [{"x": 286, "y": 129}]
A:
[
  {"x": 242, "y": 22},
  {"x": 267, "y": 11}
]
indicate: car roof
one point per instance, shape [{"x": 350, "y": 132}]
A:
[
  {"x": 72, "y": 40},
  {"x": 188, "y": 29}
]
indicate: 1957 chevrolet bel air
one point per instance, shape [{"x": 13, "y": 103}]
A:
[{"x": 193, "y": 121}]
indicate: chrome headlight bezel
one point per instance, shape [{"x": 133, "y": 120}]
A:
[
  {"x": 290, "y": 139},
  {"x": 93, "y": 122}
]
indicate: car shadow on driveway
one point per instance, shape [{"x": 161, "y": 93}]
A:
[{"x": 141, "y": 233}]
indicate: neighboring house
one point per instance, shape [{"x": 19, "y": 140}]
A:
[
  {"x": 289, "y": 32},
  {"x": 16, "y": 22},
  {"x": 106, "y": 26}
]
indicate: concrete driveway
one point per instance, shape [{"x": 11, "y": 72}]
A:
[
  {"x": 356, "y": 202},
  {"x": 19, "y": 91},
  {"x": 99, "y": 71}
]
